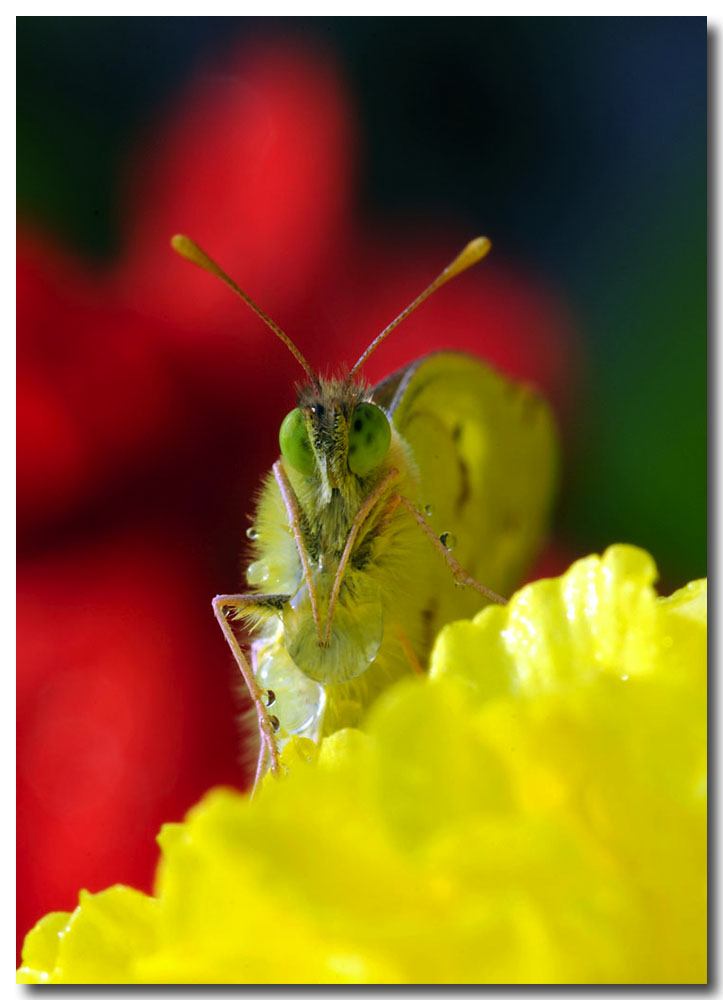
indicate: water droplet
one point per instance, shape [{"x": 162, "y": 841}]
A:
[
  {"x": 269, "y": 698},
  {"x": 448, "y": 540},
  {"x": 274, "y": 723},
  {"x": 428, "y": 510},
  {"x": 258, "y": 573},
  {"x": 252, "y": 533},
  {"x": 303, "y": 700}
]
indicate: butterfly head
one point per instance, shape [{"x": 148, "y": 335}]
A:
[{"x": 334, "y": 432}]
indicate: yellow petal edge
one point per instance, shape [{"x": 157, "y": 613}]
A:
[{"x": 533, "y": 812}]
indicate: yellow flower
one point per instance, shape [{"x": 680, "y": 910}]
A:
[{"x": 533, "y": 812}]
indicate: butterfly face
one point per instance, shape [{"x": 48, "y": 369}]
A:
[{"x": 334, "y": 435}]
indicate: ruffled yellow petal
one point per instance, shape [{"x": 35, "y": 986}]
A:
[
  {"x": 533, "y": 812},
  {"x": 40, "y": 951},
  {"x": 602, "y": 615},
  {"x": 99, "y": 942}
]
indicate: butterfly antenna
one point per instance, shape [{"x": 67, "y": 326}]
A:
[
  {"x": 473, "y": 252},
  {"x": 192, "y": 251}
]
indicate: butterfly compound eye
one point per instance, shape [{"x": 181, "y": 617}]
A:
[
  {"x": 369, "y": 438},
  {"x": 295, "y": 445}
]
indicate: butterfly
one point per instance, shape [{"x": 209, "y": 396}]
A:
[{"x": 373, "y": 529}]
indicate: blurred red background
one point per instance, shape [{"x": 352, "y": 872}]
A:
[{"x": 149, "y": 402}]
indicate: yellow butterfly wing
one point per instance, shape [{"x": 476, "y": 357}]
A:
[{"x": 486, "y": 451}]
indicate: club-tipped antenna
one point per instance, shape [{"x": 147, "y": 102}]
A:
[
  {"x": 474, "y": 251},
  {"x": 185, "y": 246}
]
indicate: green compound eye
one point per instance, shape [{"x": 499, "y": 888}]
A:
[
  {"x": 369, "y": 438},
  {"x": 295, "y": 444}
]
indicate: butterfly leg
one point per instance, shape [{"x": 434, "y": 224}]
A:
[
  {"x": 292, "y": 510},
  {"x": 246, "y": 605},
  {"x": 459, "y": 574},
  {"x": 262, "y": 762},
  {"x": 409, "y": 652}
]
